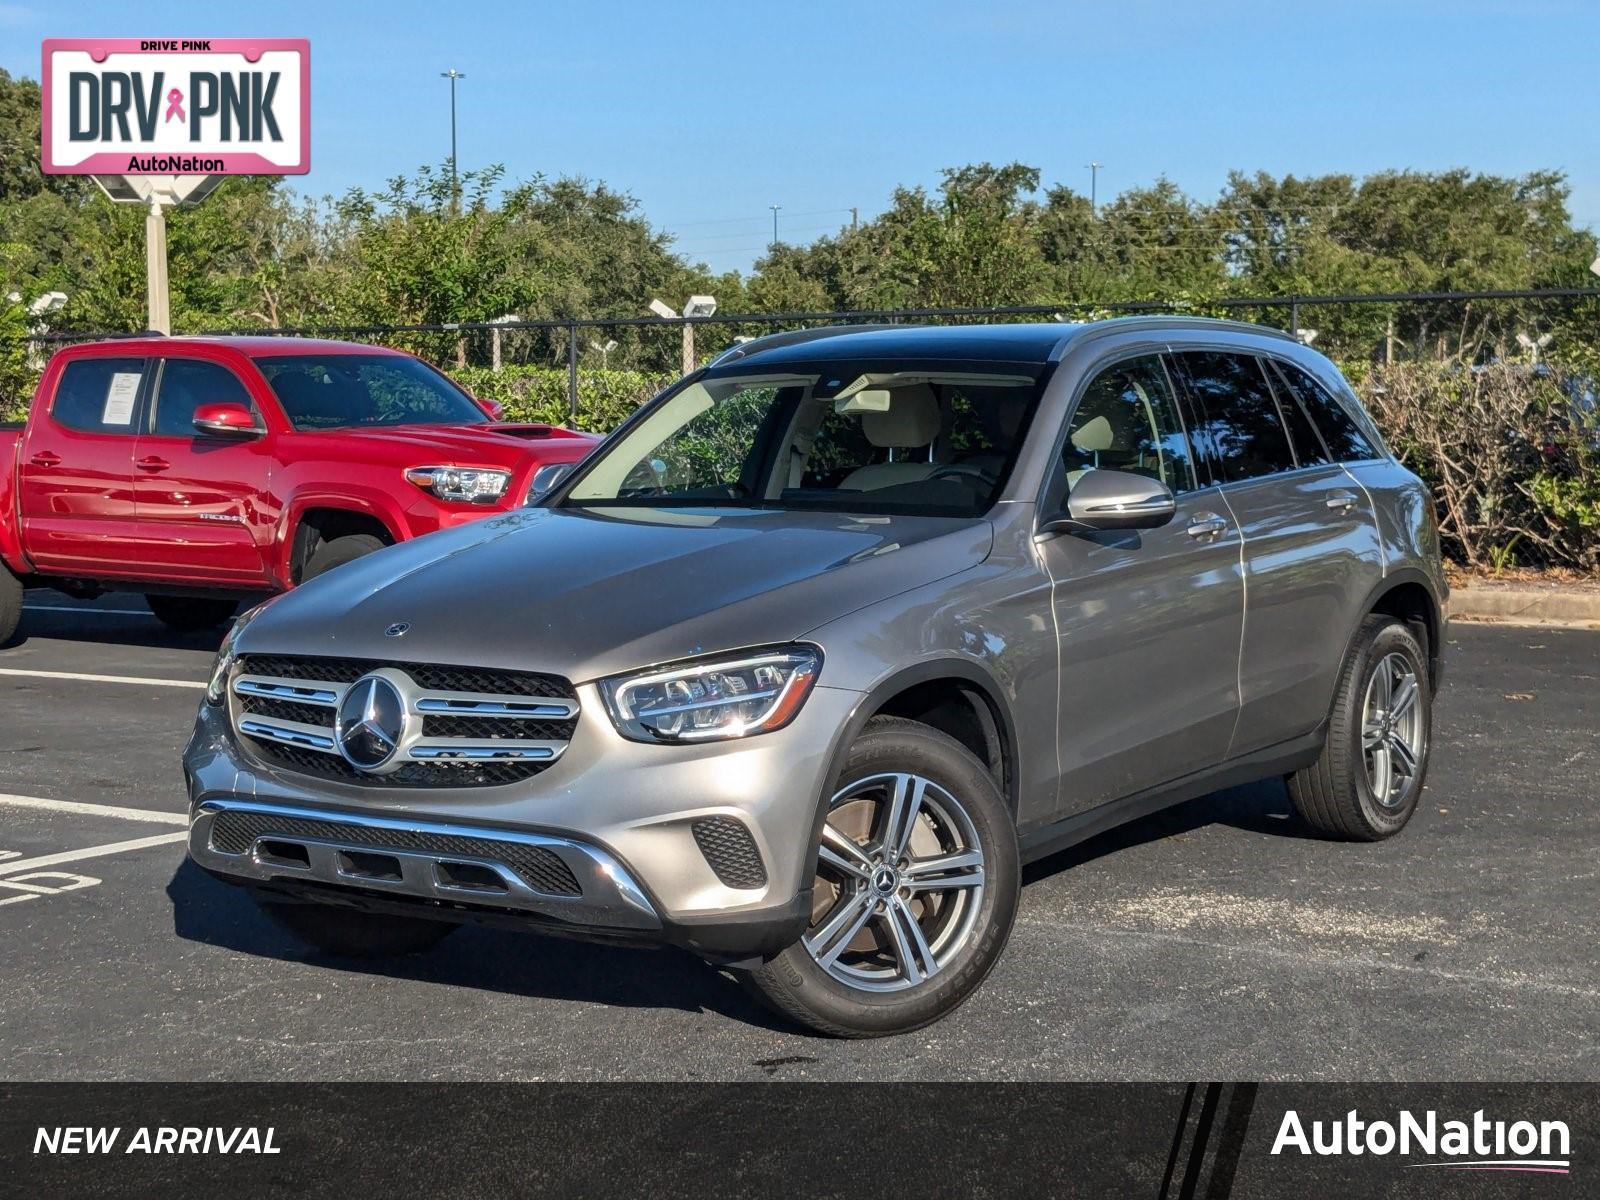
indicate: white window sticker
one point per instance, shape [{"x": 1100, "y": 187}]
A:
[{"x": 124, "y": 390}]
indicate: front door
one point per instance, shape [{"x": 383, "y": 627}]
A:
[
  {"x": 202, "y": 515},
  {"x": 1150, "y": 620}
]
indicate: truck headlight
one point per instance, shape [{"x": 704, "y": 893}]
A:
[
  {"x": 464, "y": 485},
  {"x": 217, "y": 685},
  {"x": 720, "y": 698}
]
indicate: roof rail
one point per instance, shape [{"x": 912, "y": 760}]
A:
[
  {"x": 793, "y": 337},
  {"x": 1118, "y": 324}
]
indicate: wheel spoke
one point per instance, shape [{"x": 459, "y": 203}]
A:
[
  {"x": 900, "y": 838},
  {"x": 1401, "y": 755},
  {"x": 1404, "y": 698},
  {"x": 845, "y": 847},
  {"x": 920, "y": 868},
  {"x": 1385, "y": 691},
  {"x": 828, "y": 943},
  {"x": 1381, "y": 776},
  {"x": 1372, "y": 735},
  {"x": 848, "y": 867},
  {"x": 911, "y": 947}
]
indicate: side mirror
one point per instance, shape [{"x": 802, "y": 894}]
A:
[
  {"x": 1115, "y": 500},
  {"x": 226, "y": 420},
  {"x": 495, "y": 412},
  {"x": 546, "y": 477}
]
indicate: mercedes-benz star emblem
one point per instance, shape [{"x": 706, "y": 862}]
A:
[
  {"x": 398, "y": 629},
  {"x": 371, "y": 722}
]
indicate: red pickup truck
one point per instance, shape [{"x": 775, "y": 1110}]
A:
[{"x": 200, "y": 471}]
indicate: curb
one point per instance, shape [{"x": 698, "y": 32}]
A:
[{"x": 1514, "y": 605}]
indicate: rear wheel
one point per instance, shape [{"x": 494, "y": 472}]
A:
[
  {"x": 10, "y": 604},
  {"x": 348, "y": 933},
  {"x": 1368, "y": 779},
  {"x": 915, "y": 891},
  {"x": 338, "y": 551},
  {"x": 188, "y": 614}
]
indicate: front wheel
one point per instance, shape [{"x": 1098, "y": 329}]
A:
[
  {"x": 337, "y": 552},
  {"x": 10, "y": 603},
  {"x": 915, "y": 890},
  {"x": 1366, "y": 783}
]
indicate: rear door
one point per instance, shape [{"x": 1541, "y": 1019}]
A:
[
  {"x": 1311, "y": 547},
  {"x": 1149, "y": 620},
  {"x": 75, "y": 494},
  {"x": 202, "y": 499}
]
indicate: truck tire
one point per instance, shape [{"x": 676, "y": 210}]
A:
[
  {"x": 924, "y": 868},
  {"x": 10, "y": 604},
  {"x": 337, "y": 552},
  {"x": 347, "y": 933},
  {"x": 190, "y": 614},
  {"x": 1365, "y": 784}
]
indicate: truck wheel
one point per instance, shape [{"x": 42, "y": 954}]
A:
[
  {"x": 10, "y": 604},
  {"x": 339, "y": 551},
  {"x": 915, "y": 892},
  {"x": 189, "y": 614},
  {"x": 350, "y": 934},
  {"x": 1366, "y": 783}
]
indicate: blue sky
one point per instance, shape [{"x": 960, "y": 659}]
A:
[{"x": 709, "y": 112}]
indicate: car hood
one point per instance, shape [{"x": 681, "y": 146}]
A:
[
  {"x": 588, "y": 593},
  {"x": 496, "y": 445}
]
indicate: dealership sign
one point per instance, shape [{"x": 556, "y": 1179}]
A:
[{"x": 210, "y": 106}]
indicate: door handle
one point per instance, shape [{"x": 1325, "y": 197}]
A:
[
  {"x": 1207, "y": 525},
  {"x": 152, "y": 464},
  {"x": 45, "y": 459},
  {"x": 1341, "y": 501}
]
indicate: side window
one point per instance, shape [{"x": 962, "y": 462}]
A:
[
  {"x": 1236, "y": 417},
  {"x": 1127, "y": 420},
  {"x": 186, "y": 384},
  {"x": 1346, "y": 442},
  {"x": 1308, "y": 447},
  {"x": 99, "y": 395}
]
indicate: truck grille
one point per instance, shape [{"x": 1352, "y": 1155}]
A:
[{"x": 464, "y": 726}]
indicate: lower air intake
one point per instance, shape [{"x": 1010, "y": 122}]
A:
[{"x": 731, "y": 852}]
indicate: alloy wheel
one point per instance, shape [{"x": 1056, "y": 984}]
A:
[
  {"x": 1392, "y": 730},
  {"x": 900, "y": 879}
]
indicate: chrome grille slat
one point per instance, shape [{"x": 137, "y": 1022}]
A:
[{"x": 486, "y": 733}]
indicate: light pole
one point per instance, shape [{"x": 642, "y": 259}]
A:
[
  {"x": 452, "y": 75},
  {"x": 774, "y": 208},
  {"x": 605, "y": 348},
  {"x": 695, "y": 306},
  {"x": 1094, "y": 185}
]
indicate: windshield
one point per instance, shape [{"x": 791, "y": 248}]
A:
[
  {"x": 898, "y": 438},
  {"x": 333, "y": 391}
]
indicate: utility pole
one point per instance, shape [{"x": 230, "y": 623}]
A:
[
  {"x": 774, "y": 208},
  {"x": 452, "y": 75},
  {"x": 854, "y": 218},
  {"x": 1094, "y": 186}
]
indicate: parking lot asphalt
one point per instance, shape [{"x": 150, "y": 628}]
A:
[{"x": 1218, "y": 940}]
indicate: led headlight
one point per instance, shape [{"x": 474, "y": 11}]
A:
[
  {"x": 726, "y": 698},
  {"x": 217, "y": 686},
  {"x": 464, "y": 485}
]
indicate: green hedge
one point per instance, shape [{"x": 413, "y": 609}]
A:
[{"x": 605, "y": 398}]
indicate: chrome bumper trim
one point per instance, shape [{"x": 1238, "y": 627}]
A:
[{"x": 610, "y": 897}]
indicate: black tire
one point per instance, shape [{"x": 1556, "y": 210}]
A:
[
  {"x": 10, "y": 604},
  {"x": 793, "y": 982},
  {"x": 347, "y": 933},
  {"x": 1335, "y": 795},
  {"x": 189, "y": 614},
  {"x": 338, "y": 551}
]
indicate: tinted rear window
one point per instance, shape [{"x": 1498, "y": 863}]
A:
[
  {"x": 1346, "y": 442},
  {"x": 1236, "y": 418},
  {"x": 99, "y": 395}
]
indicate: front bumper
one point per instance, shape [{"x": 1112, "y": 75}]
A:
[{"x": 617, "y": 817}]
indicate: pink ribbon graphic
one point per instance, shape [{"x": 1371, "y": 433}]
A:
[{"x": 175, "y": 105}]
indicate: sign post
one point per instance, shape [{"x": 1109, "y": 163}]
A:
[{"x": 161, "y": 122}]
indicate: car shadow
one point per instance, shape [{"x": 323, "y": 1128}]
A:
[
  {"x": 213, "y": 913},
  {"x": 50, "y": 616},
  {"x": 1263, "y": 807}
]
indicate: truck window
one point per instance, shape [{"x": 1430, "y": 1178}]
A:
[
  {"x": 186, "y": 384},
  {"x": 99, "y": 395}
]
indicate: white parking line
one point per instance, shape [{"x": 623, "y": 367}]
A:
[
  {"x": 177, "y": 683},
  {"x": 66, "y": 856},
  {"x": 95, "y": 810},
  {"x": 105, "y": 612}
]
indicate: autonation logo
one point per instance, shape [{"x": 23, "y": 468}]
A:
[{"x": 1480, "y": 1144}]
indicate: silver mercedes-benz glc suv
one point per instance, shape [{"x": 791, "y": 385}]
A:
[{"x": 803, "y": 663}]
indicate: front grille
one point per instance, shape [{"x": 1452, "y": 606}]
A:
[
  {"x": 483, "y": 735},
  {"x": 731, "y": 851},
  {"x": 541, "y": 869}
]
